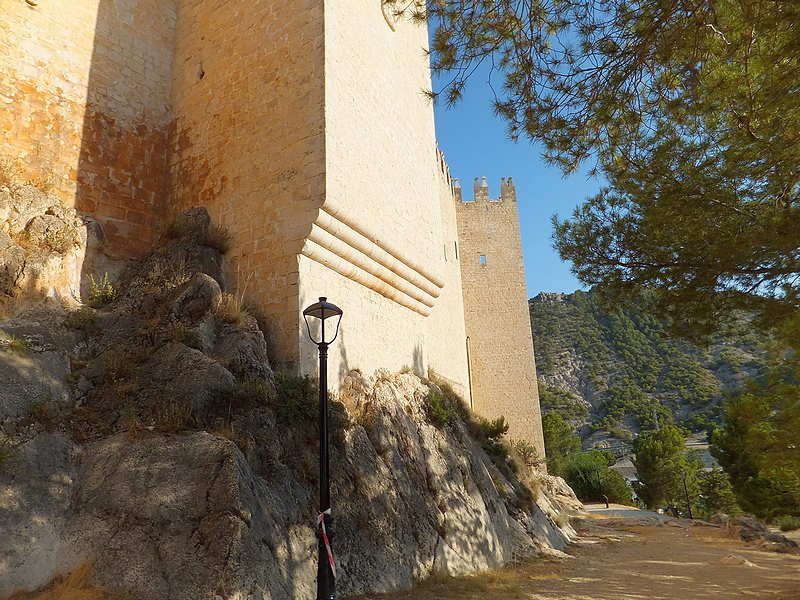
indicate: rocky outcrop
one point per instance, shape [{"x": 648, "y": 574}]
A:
[
  {"x": 753, "y": 531},
  {"x": 42, "y": 248},
  {"x": 166, "y": 516},
  {"x": 179, "y": 466}
]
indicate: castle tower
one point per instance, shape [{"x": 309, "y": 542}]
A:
[
  {"x": 498, "y": 328},
  {"x": 302, "y": 128},
  {"x": 309, "y": 137}
]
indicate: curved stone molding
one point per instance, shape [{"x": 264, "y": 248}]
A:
[
  {"x": 330, "y": 241},
  {"x": 412, "y": 268},
  {"x": 352, "y": 250},
  {"x": 323, "y": 256}
]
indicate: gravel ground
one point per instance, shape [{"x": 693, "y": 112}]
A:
[{"x": 623, "y": 554}]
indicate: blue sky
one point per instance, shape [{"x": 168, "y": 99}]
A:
[{"x": 475, "y": 144}]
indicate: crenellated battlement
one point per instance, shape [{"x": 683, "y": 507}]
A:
[{"x": 480, "y": 191}]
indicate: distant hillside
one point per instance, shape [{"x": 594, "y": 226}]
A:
[{"x": 617, "y": 374}]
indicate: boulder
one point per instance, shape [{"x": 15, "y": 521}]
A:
[
  {"x": 25, "y": 203},
  {"x": 177, "y": 377},
  {"x": 52, "y": 233},
  {"x": 33, "y": 374},
  {"x": 184, "y": 517},
  {"x": 243, "y": 351},
  {"x": 751, "y": 530},
  {"x": 196, "y": 298},
  {"x": 37, "y": 480}
]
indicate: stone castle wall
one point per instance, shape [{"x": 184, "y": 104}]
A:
[
  {"x": 249, "y": 142},
  {"x": 313, "y": 145},
  {"x": 376, "y": 248},
  {"x": 85, "y": 87},
  {"x": 501, "y": 361}
]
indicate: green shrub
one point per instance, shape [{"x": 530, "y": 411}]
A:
[
  {"x": 102, "y": 293},
  {"x": 73, "y": 378},
  {"x": 297, "y": 398},
  {"x": 297, "y": 402},
  {"x": 438, "y": 408},
  {"x": 16, "y": 344},
  {"x": 527, "y": 453},
  {"x": 787, "y": 523},
  {"x": 258, "y": 392},
  {"x": 591, "y": 479},
  {"x": 81, "y": 319}
]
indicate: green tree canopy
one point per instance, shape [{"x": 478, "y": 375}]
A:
[
  {"x": 759, "y": 443},
  {"x": 663, "y": 467},
  {"x": 589, "y": 476},
  {"x": 717, "y": 493},
  {"x": 559, "y": 440},
  {"x": 691, "y": 110}
]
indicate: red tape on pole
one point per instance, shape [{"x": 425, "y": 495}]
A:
[{"x": 321, "y": 522}]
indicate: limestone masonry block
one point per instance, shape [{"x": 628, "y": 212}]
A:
[{"x": 303, "y": 129}]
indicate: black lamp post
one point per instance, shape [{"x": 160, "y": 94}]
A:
[
  {"x": 326, "y": 570},
  {"x": 686, "y": 492}
]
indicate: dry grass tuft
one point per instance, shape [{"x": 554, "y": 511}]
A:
[
  {"x": 231, "y": 309},
  {"x": 509, "y": 583},
  {"x": 75, "y": 586},
  {"x": 219, "y": 238}
]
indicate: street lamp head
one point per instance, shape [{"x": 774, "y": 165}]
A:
[{"x": 322, "y": 310}]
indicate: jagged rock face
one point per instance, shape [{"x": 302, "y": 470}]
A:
[
  {"x": 186, "y": 517},
  {"x": 36, "y": 486},
  {"x": 34, "y": 364},
  {"x": 42, "y": 247},
  {"x": 169, "y": 465}
]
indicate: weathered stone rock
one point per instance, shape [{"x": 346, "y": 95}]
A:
[
  {"x": 186, "y": 377},
  {"x": 174, "y": 517},
  {"x": 42, "y": 250},
  {"x": 748, "y": 529},
  {"x": 168, "y": 512},
  {"x": 150, "y": 286},
  {"x": 196, "y": 298},
  {"x": 193, "y": 515},
  {"x": 243, "y": 351},
  {"x": 27, "y": 202},
  {"x": 12, "y": 261},
  {"x": 31, "y": 375},
  {"x": 115, "y": 328},
  {"x": 43, "y": 328},
  {"x": 52, "y": 233},
  {"x": 36, "y": 484},
  {"x": 194, "y": 220},
  {"x": 6, "y": 202}
]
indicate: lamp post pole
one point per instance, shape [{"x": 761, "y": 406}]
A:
[
  {"x": 326, "y": 570},
  {"x": 686, "y": 493}
]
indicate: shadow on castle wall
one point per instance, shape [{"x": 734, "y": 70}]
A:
[{"x": 122, "y": 166}]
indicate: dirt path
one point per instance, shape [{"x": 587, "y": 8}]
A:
[{"x": 633, "y": 559}]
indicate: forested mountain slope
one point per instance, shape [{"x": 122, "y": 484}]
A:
[{"x": 615, "y": 374}]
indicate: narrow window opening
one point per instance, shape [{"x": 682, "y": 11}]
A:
[{"x": 483, "y": 259}]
